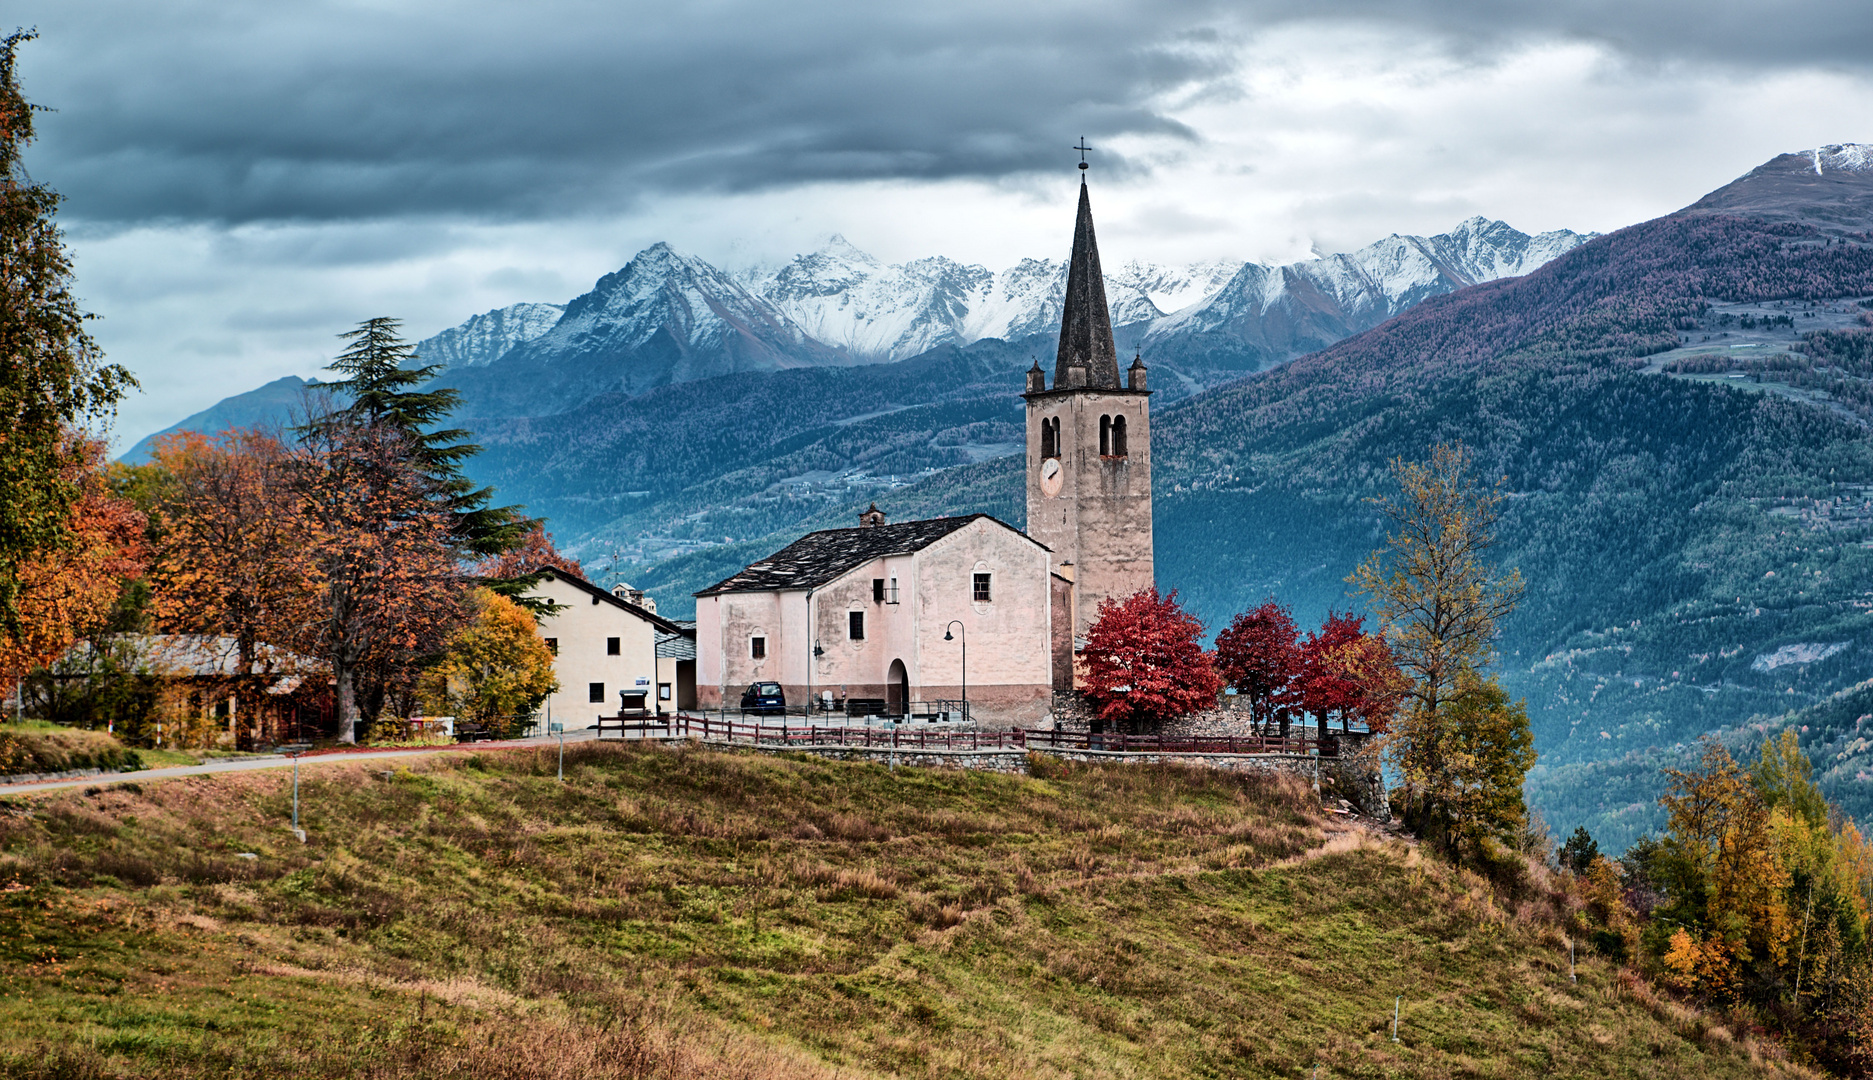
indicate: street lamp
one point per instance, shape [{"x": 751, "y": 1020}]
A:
[
  {"x": 957, "y": 623},
  {"x": 296, "y": 751}
]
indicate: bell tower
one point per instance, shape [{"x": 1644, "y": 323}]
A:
[{"x": 1089, "y": 447}]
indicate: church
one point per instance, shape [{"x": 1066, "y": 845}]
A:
[{"x": 911, "y": 616}]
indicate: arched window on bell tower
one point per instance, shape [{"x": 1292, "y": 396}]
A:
[
  {"x": 1118, "y": 436},
  {"x": 1049, "y": 448},
  {"x": 1105, "y": 436}
]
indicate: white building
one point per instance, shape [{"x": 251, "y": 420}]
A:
[{"x": 603, "y": 645}]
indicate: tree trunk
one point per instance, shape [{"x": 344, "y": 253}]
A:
[{"x": 347, "y": 703}]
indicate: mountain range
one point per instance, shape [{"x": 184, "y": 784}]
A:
[{"x": 668, "y": 318}]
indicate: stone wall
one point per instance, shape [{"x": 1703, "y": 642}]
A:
[{"x": 1002, "y": 761}]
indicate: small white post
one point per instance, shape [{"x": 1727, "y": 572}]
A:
[
  {"x": 562, "y": 757},
  {"x": 295, "y": 792},
  {"x": 1395, "y": 1002},
  {"x": 1570, "y": 961}
]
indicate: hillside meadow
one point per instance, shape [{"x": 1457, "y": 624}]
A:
[{"x": 687, "y": 912}]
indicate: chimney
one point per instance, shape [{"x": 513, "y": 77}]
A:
[{"x": 870, "y": 517}]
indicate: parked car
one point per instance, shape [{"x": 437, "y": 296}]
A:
[{"x": 764, "y": 699}]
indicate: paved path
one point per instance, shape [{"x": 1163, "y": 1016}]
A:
[{"x": 326, "y": 757}]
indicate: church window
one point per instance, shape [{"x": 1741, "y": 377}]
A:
[
  {"x": 877, "y": 590},
  {"x": 1056, "y": 436},
  {"x": 1105, "y": 436},
  {"x": 552, "y": 645},
  {"x": 981, "y": 592},
  {"x": 1047, "y": 438},
  {"x": 595, "y": 693},
  {"x": 855, "y": 625},
  {"x": 1118, "y": 436},
  {"x": 612, "y": 646},
  {"x": 757, "y": 648}
]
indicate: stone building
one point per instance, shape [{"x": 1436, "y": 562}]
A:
[
  {"x": 1089, "y": 448},
  {"x": 862, "y": 613}
]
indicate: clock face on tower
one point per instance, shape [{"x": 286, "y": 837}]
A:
[{"x": 1050, "y": 477}]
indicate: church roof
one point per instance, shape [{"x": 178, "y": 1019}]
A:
[
  {"x": 817, "y": 558},
  {"x": 1085, "y": 322}
]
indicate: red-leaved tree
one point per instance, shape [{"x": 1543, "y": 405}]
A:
[
  {"x": 1348, "y": 674},
  {"x": 1325, "y": 687},
  {"x": 1258, "y": 656},
  {"x": 1145, "y": 661},
  {"x": 536, "y": 550}
]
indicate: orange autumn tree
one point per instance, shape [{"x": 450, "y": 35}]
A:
[
  {"x": 52, "y": 382},
  {"x": 65, "y": 591},
  {"x": 536, "y": 550},
  {"x": 237, "y": 556},
  {"x": 387, "y": 585}
]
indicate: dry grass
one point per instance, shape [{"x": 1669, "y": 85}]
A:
[{"x": 701, "y": 913}]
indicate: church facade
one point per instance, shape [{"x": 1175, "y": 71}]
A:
[{"x": 922, "y": 611}]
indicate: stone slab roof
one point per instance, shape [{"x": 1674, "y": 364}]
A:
[
  {"x": 677, "y": 646},
  {"x": 817, "y": 558}
]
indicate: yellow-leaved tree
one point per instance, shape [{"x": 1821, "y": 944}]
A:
[
  {"x": 1461, "y": 746},
  {"x": 496, "y": 671}
]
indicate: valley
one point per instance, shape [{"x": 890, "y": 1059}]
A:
[{"x": 1676, "y": 409}]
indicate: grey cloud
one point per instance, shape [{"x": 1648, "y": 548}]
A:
[
  {"x": 229, "y": 112},
  {"x": 546, "y": 110}
]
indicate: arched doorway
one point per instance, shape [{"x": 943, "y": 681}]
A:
[{"x": 897, "y": 689}]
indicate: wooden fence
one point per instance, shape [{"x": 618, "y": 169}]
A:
[{"x": 685, "y": 726}]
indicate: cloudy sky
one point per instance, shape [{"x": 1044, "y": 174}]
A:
[{"x": 244, "y": 180}]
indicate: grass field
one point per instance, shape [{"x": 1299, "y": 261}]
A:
[
  {"x": 34, "y": 746},
  {"x": 670, "y": 913}
]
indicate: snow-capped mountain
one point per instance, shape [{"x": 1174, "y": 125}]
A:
[
  {"x": 482, "y": 339},
  {"x": 1266, "y": 314},
  {"x": 850, "y": 300},
  {"x": 666, "y": 317},
  {"x": 877, "y": 311},
  {"x": 1824, "y": 187}
]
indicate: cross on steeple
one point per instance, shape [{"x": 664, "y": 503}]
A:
[{"x": 1082, "y": 148}]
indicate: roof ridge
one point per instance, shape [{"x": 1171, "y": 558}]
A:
[{"x": 825, "y": 554}]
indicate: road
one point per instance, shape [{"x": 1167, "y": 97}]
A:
[{"x": 215, "y": 768}]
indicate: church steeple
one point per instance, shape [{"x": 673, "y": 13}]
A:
[{"x": 1085, "y": 322}]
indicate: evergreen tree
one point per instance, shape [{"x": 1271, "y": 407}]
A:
[
  {"x": 1579, "y": 851},
  {"x": 51, "y": 378},
  {"x": 384, "y": 385}
]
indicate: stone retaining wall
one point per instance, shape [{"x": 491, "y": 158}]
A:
[
  {"x": 15, "y": 779},
  {"x": 1346, "y": 780},
  {"x": 1003, "y": 761}
]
